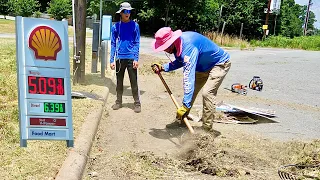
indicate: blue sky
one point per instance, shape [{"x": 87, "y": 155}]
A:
[{"x": 315, "y": 8}]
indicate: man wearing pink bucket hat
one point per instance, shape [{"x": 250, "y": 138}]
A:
[{"x": 204, "y": 64}]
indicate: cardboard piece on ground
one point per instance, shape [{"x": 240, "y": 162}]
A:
[
  {"x": 257, "y": 111},
  {"x": 254, "y": 114}
]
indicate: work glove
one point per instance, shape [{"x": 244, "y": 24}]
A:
[
  {"x": 182, "y": 112},
  {"x": 157, "y": 67}
]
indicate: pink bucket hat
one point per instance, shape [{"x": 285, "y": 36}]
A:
[{"x": 164, "y": 37}]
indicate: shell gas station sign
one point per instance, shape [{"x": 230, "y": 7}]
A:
[{"x": 43, "y": 71}]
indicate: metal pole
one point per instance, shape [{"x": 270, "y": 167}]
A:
[
  {"x": 241, "y": 30},
  {"x": 75, "y": 62},
  {"x": 107, "y": 57},
  {"x": 100, "y": 21},
  {"x": 275, "y": 25},
  {"x": 307, "y": 19},
  {"x": 104, "y": 53},
  {"x": 267, "y": 18},
  {"x": 166, "y": 23},
  {"x": 224, "y": 24},
  {"x": 74, "y": 28},
  {"x": 95, "y": 48},
  {"x": 220, "y": 17}
]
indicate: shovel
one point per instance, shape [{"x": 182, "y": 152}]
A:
[{"x": 173, "y": 99}]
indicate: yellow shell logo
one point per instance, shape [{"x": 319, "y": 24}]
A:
[{"x": 45, "y": 42}]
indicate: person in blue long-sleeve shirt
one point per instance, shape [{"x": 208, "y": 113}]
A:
[
  {"x": 125, "y": 44},
  {"x": 204, "y": 64}
]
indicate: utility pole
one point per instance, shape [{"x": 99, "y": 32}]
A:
[
  {"x": 307, "y": 18},
  {"x": 220, "y": 17},
  {"x": 241, "y": 30},
  {"x": 166, "y": 23},
  {"x": 80, "y": 35},
  {"x": 267, "y": 18}
]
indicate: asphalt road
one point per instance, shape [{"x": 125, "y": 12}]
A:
[{"x": 291, "y": 88}]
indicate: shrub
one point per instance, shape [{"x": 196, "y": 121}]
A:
[
  {"x": 24, "y": 8},
  {"x": 59, "y": 9}
]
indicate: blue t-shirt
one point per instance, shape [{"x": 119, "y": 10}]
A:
[
  {"x": 125, "y": 41},
  {"x": 199, "y": 54}
]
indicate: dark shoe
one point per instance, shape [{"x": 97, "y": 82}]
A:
[
  {"x": 116, "y": 106},
  {"x": 137, "y": 108}
]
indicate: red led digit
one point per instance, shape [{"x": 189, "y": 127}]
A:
[
  {"x": 60, "y": 87},
  {"x": 52, "y": 85},
  {"x": 32, "y": 86},
  {"x": 42, "y": 85}
]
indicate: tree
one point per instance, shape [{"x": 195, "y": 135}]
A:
[
  {"x": 59, "y": 9},
  {"x": 203, "y": 15},
  {"x": 291, "y": 20},
  {"x": 249, "y": 12},
  {"x": 4, "y": 7},
  {"x": 195, "y": 15},
  {"x": 192, "y": 15},
  {"x": 108, "y": 7},
  {"x": 24, "y": 8},
  {"x": 44, "y": 5}
]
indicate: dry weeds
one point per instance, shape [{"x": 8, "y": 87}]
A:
[
  {"x": 227, "y": 40},
  {"x": 235, "y": 155}
]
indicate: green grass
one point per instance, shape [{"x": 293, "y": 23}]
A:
[
  {"x": 7, "y": 26},
  {"x": 303, "y": 42}
]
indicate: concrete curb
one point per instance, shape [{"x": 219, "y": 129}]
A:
[{"x": 75, "y": 163}]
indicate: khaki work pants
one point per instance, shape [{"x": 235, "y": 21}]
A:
[{"x": 210, "y": 81}]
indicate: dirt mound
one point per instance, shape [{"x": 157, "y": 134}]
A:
[
  {"x": 207, "y": 157},
  {"x": 213, "y": 155}
]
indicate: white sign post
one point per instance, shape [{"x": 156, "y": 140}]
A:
[{"x": 43, "y": 71}]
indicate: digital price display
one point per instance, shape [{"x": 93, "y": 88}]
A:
[
  {"x": 51, "y": 107},
  {"x": 43, "y": 75},
  {"x": 45, "y": 85}
]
